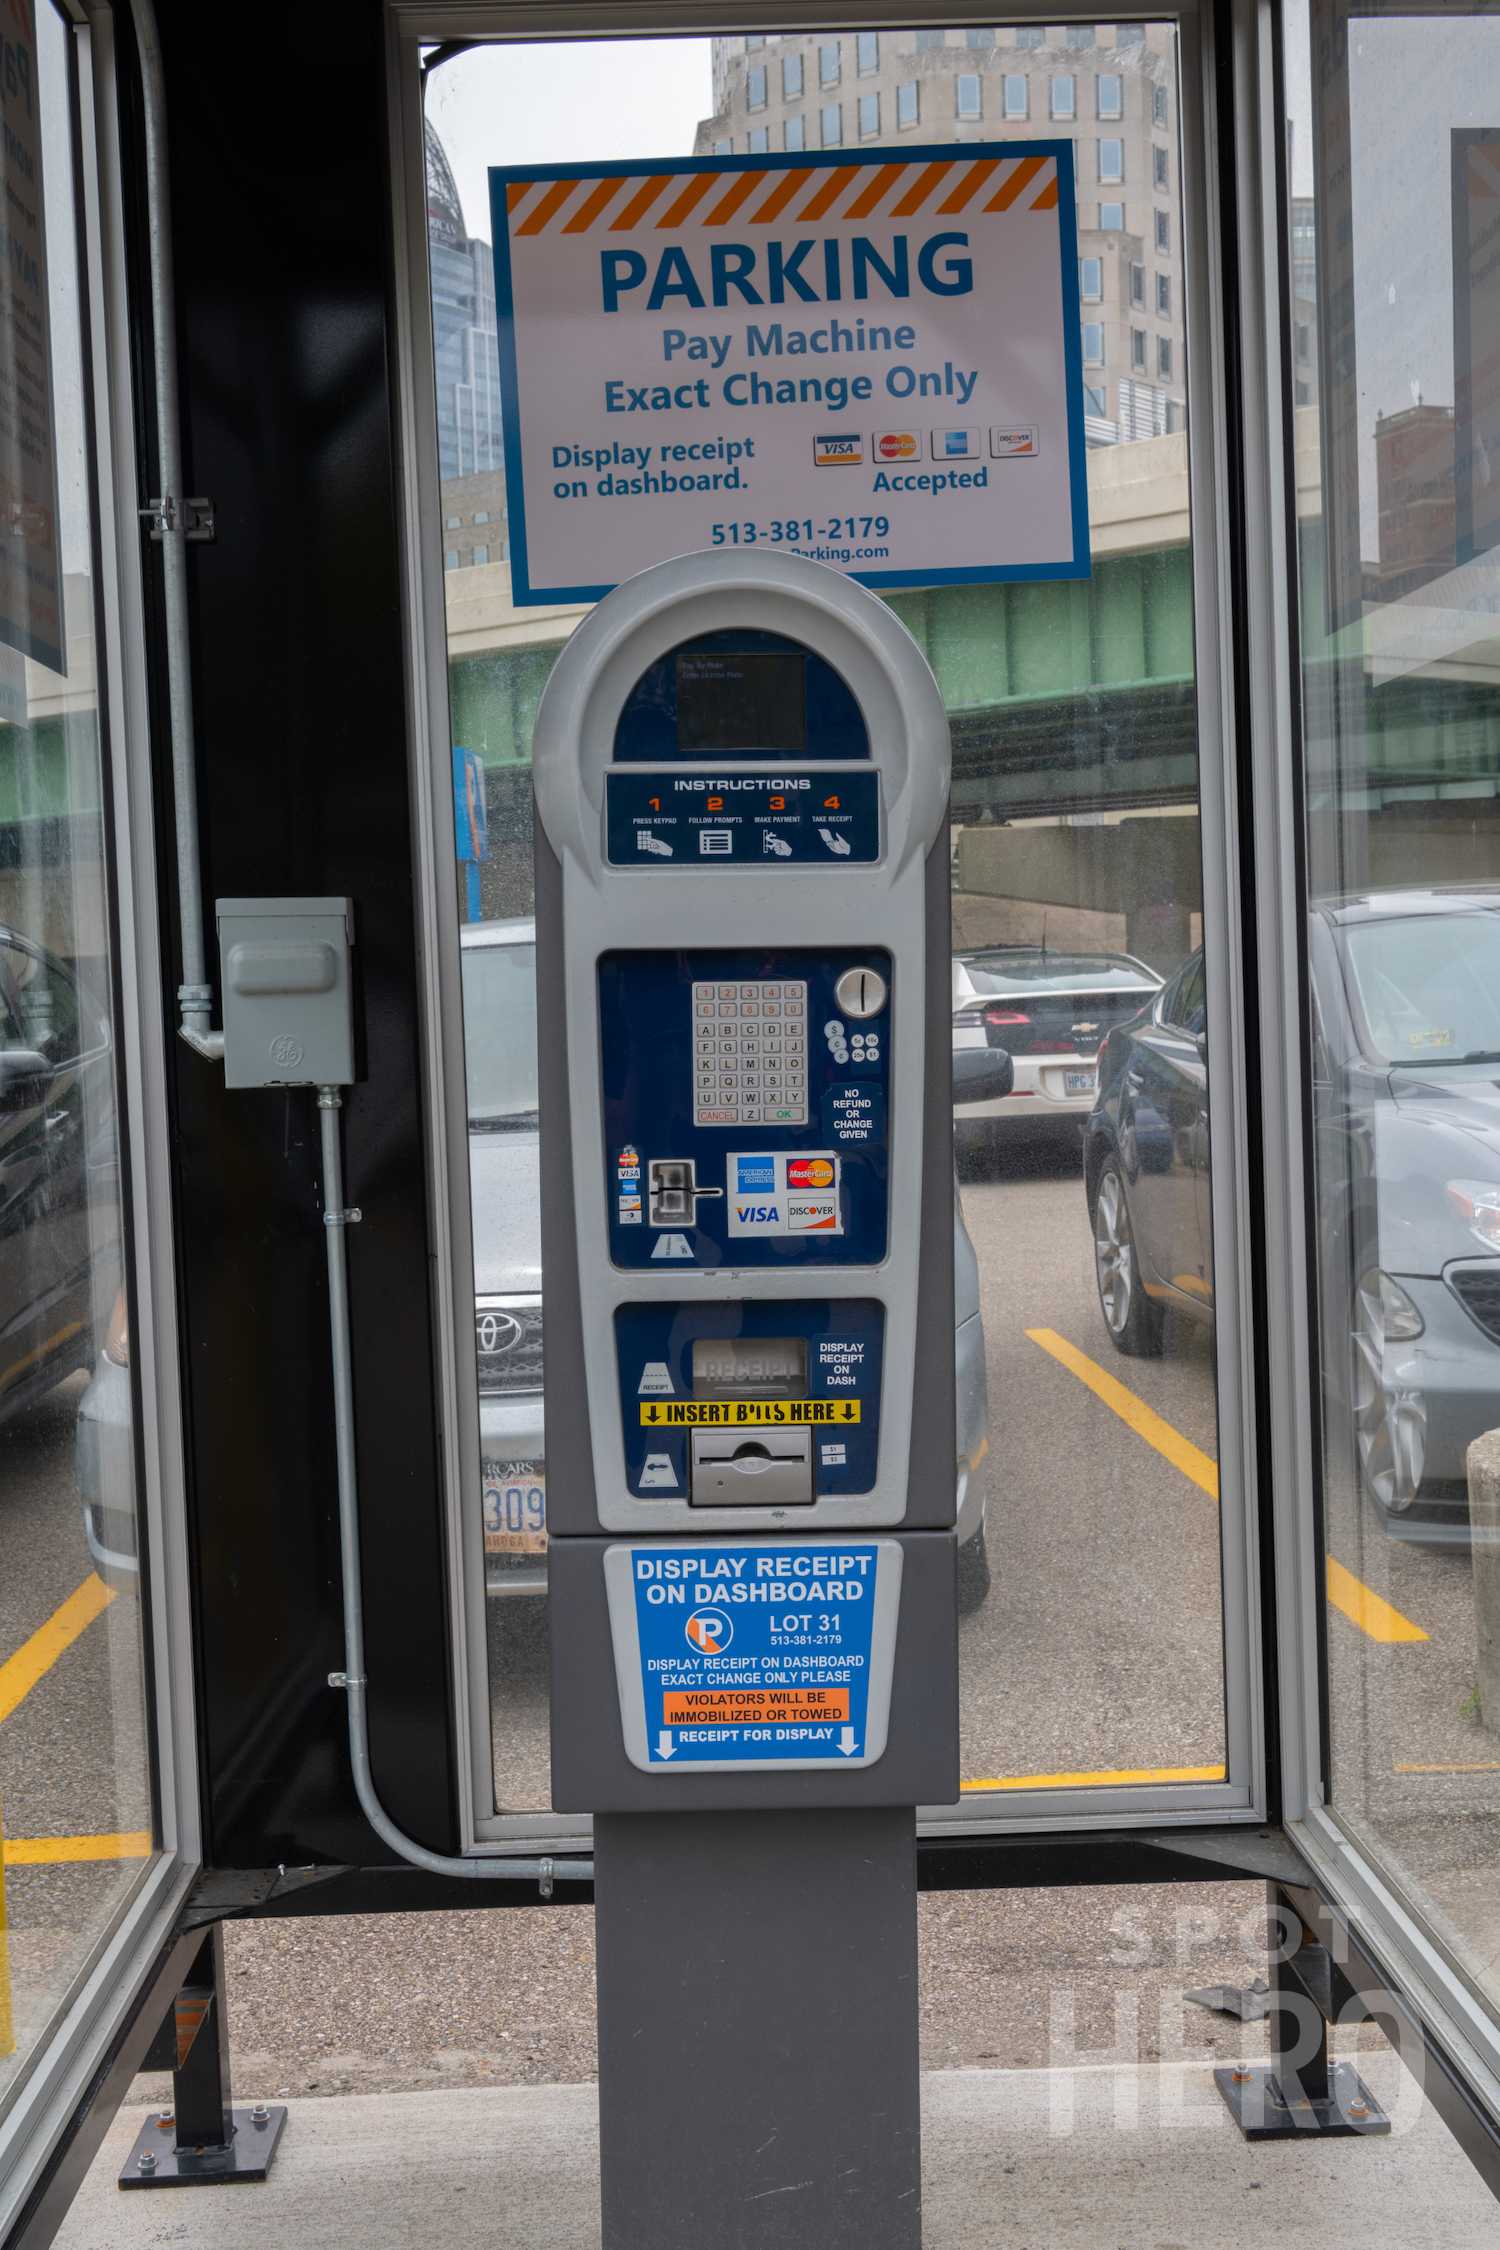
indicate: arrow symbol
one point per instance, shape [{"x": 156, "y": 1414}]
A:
[
  {"x": 847, "y": 1743},
  {"x": 848, "y": 1410},
  {"x": 667, "y": 1748},
  {"x": 653, "y": 1414}
]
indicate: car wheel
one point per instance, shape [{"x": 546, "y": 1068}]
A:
[
  {"x": 973, "y": 1574},
  {"x": 1133, "y": 1321},
  {"x": 1390, "y": 1418}
]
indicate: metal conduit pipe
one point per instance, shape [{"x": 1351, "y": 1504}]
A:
[
  {"x": 194, "y": 995},
  {"x": 352, "y": 1679}
]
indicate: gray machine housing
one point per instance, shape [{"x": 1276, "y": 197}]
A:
[{"x": 586, "y": 908}]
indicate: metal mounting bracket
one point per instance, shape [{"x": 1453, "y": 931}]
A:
[{"x": 160, "y": 515}]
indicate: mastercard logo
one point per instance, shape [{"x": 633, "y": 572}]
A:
[
  {"x": 897, "y": 445},
  {"x": 809, "y": 1171}
]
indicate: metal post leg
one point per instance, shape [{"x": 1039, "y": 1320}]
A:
[
  {"x": 1299, "y": 2091},
  {"x": 202, "y": 2137}
]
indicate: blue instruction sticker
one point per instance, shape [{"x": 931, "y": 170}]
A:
[{"x": 734, "y": 1653}]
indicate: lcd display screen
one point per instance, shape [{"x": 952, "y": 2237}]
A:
[
  {"x": 749, "y": 1367},
  {"x": 751, "y": 701}
]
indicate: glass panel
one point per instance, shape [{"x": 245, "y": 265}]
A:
[
  {"x": 76, "y": 1819},
  {"x": 1094, "y": 1653},
  {"x": 1392, "y": 333}
]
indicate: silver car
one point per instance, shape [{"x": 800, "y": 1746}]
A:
[{"x": 500, "y": 1035}]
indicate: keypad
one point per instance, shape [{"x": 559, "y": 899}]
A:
[{"x": 750, "y": 1053}]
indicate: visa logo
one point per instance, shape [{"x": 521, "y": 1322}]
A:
[
  {"x": 756, "y": 1214},
  {"x": 838, "y": 452}
]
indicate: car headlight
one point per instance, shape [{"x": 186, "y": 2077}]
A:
[
  {"x": 1398, "y": 1316},
  {"x": 1477, "y": 1203}
]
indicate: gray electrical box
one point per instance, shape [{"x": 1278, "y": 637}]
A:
[{"x": 288, "y": 1014}]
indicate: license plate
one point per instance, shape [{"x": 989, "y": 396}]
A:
[
  {"x": 1080, "y": 1082},
  {"x": 515, "y": 1508}
]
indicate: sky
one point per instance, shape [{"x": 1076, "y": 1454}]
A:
[{"x": 566, "y": 103}]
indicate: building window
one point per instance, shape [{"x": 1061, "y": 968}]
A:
[
  {"x": 1304, "y": 341},
  {"x": 1130, "y": 35},
  {"x": 1138, "y": 285},
  {"x": 759, "y": 141},
  {"x": 452, "y": 523},
  {"x": 791, "y": 76},
  {"x": 796, "y": 133},
  {"x": 966, "y": 95},
  {"x": 1111, "y": 160},
  {"x": 1109, "y": 94},
  {"x": 1111, "y": 218},
  {"x": 1015, "y": 96},
  {"x": 1158, "y": 105},
  {"x": 1065, "y": 95},
  {"x": 1138, "y": 348},
  {"x": 1093, "y": 343},
  {"x": 755, "y": 87},
  {"x": 1159, "y": 167},
  {"x": 481, "y": 555},
  {"x": 979, "y": 35},
  {"x": 831, "y": 124},
  {"x": 1164, "y": 233},
  {"x": 1079, "y": 35},
  {"x": 867, "y": 52},
  {"x": 1164, "y": 358},
  {"x": 830, "y": 63},
  {"x": 450, "y": 559},
  {"x": 1031, "y": 35},
  {"x": 1302, "y": 394},
  {"x": 1095, "y": 398},
  {"x": 1091, "y": 280},
  {"x": 754, "y": 40},
  {"x": 907, "y": 103},
  {"x": 1164, "y": 295},
  {"x": 869, "y": 116},
  {"x": 482, "y": 515},
  {"x": 724, "y": 148},
  {"x": 929, "y": 41}
]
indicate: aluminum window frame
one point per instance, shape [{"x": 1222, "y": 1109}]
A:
[
  {"x": 411, "y": 25},
  {"x": 52, "y": 2086}
]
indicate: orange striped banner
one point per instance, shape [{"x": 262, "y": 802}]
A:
[{"x": 944, "y": 186}]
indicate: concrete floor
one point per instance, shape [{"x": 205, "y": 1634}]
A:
[{"x": 1093, "y": 2159}]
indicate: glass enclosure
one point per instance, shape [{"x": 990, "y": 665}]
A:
[
  {"x": 1092, "y": 1541},
  {"x": 1394, "y": 268},
  {"x": 76, "y": 1816}
]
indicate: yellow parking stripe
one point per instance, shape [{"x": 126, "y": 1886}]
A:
[
  {"x": 1482, "y": 1765},
  {"x": 1348, "y": 1594},
  {"x": 60, "y": 1851},
  {"x": 1366, "y": 1609},
  {"x": 20, "y": 1673},
  {"x": 1123, "y": 1776},
  {"x": 1170, "y": 1443}
]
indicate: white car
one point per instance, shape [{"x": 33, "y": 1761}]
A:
[{"x": 1051, "y": 1011}]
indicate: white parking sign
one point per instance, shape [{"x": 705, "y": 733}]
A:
[{"x": 875, "y": 363}]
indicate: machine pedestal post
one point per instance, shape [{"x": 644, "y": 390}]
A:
[
  {"x": 758, "y": 2067},
  {"x": 202, "y": 2139},
  {"x": 1299, "y": 2093}
]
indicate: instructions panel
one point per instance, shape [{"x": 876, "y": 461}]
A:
[
  {"x": 872, "y": 363},
  {"x": 741, "y": 1652}
]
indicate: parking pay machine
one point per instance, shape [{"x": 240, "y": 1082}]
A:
[{"x": 741, "y": 769}]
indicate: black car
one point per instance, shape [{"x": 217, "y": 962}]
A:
[
  {"x": 1406, "y": 1072},
  {"x": 58, "y": 1229}
]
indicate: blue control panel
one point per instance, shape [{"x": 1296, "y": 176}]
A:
[
  {"x": 696, "y": 818},
  {"x": 745, "y": 1106},
  {"x": 739, "y": 694},
  {"x": 789, "y": 1363}
]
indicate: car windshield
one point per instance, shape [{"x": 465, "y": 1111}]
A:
[
  {"x": 1427, "y": 986},
  {"x": 500, "y": 1036},
  {"x": 1024, "y": 971}
]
